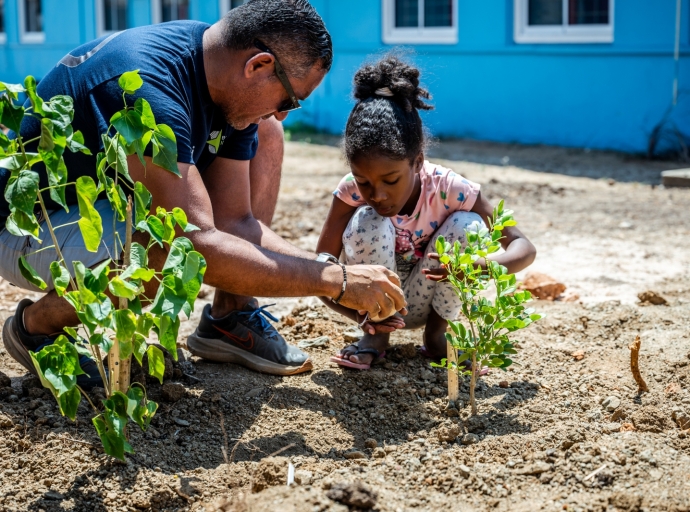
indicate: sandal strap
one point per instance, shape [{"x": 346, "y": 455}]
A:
[{"x": 373, "y": 351}]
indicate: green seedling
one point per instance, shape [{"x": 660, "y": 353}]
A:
[
  {"x": 121, "y": 330},
  {"x": 484, "y": 339}
]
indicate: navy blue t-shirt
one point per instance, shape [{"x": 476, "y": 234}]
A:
[{"x": 169, "y": 57}]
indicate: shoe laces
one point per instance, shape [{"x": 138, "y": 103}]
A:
[{"x": 257, "y": 318}]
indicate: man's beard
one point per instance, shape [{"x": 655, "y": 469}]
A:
[{"x": 232, "y": 119}]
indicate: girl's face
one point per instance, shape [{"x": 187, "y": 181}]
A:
[{"x": 385, "y": 184}]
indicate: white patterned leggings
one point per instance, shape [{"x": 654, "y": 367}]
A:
[{"x": 369, "y": 239}]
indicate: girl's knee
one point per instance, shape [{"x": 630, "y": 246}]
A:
[{"x": 455, "y": 225}]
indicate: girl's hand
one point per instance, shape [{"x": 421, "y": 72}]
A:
[
  {"x": 435, "y": 274},
  {"x": 385, "y": 326}
]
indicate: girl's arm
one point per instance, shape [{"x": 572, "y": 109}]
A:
[
  {"x": 331, "y": 241},
  {"x": 519, "y": 251}
]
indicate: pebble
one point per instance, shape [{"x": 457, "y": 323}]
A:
[
  {"x": 611, "y": 403},
  {"x": 379, "y": 453},
  {"x": 464, "y": 470},
  {"x": 371, "y": 443},
  {"x": 303, "y": 477},
  {"x": 181, "y": 422},
  {"x": 173, "y": 392},
  {"x": 610, "y": 428},
  {"x": 534, "y": 469},
  {"x": 469, "y": 438},
  {"x": 353, "y": 334},
  {"x": 254, "y": 392},
  {"x": 355, "y": 454}
]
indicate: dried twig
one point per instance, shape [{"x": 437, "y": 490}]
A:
[
  {"x": 634, "y": 365},
  {"x": 224, "y": 448},
  {"x": 595, "y": 472},
  {"x": 282, "y": 449}
]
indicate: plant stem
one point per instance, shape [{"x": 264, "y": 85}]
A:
[
  {"x": 126, "y": 365},
  {"x": 89, "y": 399},
  {"x": 473, "y": 383}
]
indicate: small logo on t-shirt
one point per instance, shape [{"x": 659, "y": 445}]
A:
[{"x": 215, "y": 140}]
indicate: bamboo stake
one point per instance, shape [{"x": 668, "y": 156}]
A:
[
  {"x": 473, "y": 383},
  {"x": 126, "y": 366},
  {"x": 634, "y": 365},
  {"x": 452, "y": 356}
]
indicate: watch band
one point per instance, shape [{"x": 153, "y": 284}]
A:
[{"x": 325, "y": 257}]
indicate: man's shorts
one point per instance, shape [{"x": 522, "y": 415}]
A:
[{"x": 71, "y": 244}]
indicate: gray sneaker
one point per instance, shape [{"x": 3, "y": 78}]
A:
[{"x": 245, "y": 337}]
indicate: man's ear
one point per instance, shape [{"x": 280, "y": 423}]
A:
[{"x": 259, "y": 66}]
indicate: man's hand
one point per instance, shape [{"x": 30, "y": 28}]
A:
[
  {"x": 375, "y": 290},
  {"x": 386, "y": 326}
]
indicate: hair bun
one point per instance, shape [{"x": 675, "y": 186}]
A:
[{"x": 391, "y": 78}]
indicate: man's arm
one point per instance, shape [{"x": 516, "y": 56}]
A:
[
  {"x": 238, "y": 266},
  {"x": 227, "y": 183}
]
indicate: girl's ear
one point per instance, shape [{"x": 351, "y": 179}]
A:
[{"x": 418, "y": 162}]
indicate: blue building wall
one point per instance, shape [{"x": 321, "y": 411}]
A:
[{"x": 607, "y": 96}]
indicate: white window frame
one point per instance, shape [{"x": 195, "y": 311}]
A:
[
  {"x": 156, "y": 11},
  {"x": 24, "y": 36},
  {"x": 100, "y": 19},
  {"x": 563, "y": 33},
  {"x": 419, "y": 35}
]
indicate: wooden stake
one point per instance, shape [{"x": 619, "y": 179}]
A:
[
  {"x": 126, "y": 364},
  {"x": 634, "y": 365},
  {"x": 453, "y": 389}
]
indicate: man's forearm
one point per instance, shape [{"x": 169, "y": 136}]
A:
[
  {"x": 258, "y": 271},
  {"x": 258, "y": 233}
]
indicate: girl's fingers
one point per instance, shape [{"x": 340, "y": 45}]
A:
[{"x": 434, "y": 255}]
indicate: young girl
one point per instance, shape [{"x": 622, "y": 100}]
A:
[{"x": 394, "y": 204}]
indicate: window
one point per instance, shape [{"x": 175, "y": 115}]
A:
[
  {"x": 3, "y": 35},
  {"x": 31, "y": 21},
  {"x": 226, "y": 5},
  {"x": 420, "y": 21},
  {"x": 112, "y": 16},
  {"x": 563, "y": 21},
  {"x": 169, "y": 10}
]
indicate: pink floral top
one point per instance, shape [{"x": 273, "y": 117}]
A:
[{"x": 443, "y": 192}]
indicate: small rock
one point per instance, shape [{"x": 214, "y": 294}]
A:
[
  {"x": 371, "y": 443},
  {"x": 536, "y": 468},
  {"x": 448, "y": 434},
  {"x": 353, "y": 334},
  {"x": 53, "y": 495},
  {"x": 356, "y": 494},
  {"x": 650, "y": 297},
  {"x": 436, "y": 390},
  {"x": 578, "y": 355},
  {"x": 650, "y": 419},
  {"x": 504, "y": 384},
  {"x": 427, "y": 375},
  {"x": 390, "y": 448},
  {"x": 303, "y": 477},
  {"x": 5, "y": 381},
  {"x": 452, "y": 412},
  {"x": 270, "y": 472},
  {"x": 681, "y": 419},
  {"x": 173, "y": 392},
  {"x": 254, "y": 392},
  {"x": 672, "y": 388},
  {"x": 611, "y": 403},
  {"x": 469, "y": 438},
  {"x": 463, "y": 470},
  {"x": 30, "y": 383},
  {"x": 610, "y": 428},
  {"x": 379, "y": 453},
  {"x": 181, "y": 422},
  {"x": 141, "y": 502},
  {"x": 542, "y": 286},
  {"x": 355, "y": 454},
  {"x": 627, "y": 427},
  {"x": 5, "y": 422}
]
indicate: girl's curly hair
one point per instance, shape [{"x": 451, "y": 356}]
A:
[{"x": 385, "y": 121}]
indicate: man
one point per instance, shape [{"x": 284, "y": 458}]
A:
[{"x": 212, "y": 85}]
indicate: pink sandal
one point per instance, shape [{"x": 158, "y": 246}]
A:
[{"x": 345, "y": 361}]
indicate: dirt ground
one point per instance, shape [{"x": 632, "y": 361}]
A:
[{"x": 555, "y": 432}]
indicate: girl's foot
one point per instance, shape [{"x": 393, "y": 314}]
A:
[
  {"x": 435, "y": 336},
  {"x": 375, "y": 341}
]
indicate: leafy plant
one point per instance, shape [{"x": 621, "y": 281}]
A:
[
  {"x": 119, "y": 331},
  {"x": 485, "y": 341}
]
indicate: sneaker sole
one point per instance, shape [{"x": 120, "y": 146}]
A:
[
  {"x": 15, "y": 347},
  {"x": 218, "y": 350}
]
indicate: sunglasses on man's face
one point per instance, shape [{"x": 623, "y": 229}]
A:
[{"x": 289, "y": 104}]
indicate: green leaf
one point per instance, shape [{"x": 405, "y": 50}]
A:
[
  {"x": 181, "y": 218},
  {"x": 90, "y": 223},
  {"x": 167, "y": 334},
  {"x": 69, "y": 403},
  {"x": 155, "y": 229},
  {"x": 139, "y": 347},
  {"x": 60, "y": 278},
  {"x": 142, "y": 202},
  {"x": 144, "y": 109},
  {"x": 75, "y": 143},
  {"x": 12, "y": 116},
  {"x": 58, "y": 178},
  {"x": 117, "y": 199},
  {"x": 144, "y": 323},
  {"x": 130, "y": 81},
  {"x": 170, "y": 298},
  {"x": 156, "y": 362},
  {"x": 165, "y": 149},
  {"x": 22, "y": 190},
  {"x": 102, "y": 342},
  {"x": 115, "y": 155},
  {"x": 129, "y": 124},
  {"x": 121, "y": 288},
  {"x": 13, "y": 90},
  {"x": 110, "y": 426},
  {"x": 125, "y": 324},
  {"x": 139, "y": 409},
  {"x": 60, "y": 110},
  {"x": 30, "y": 274}
]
